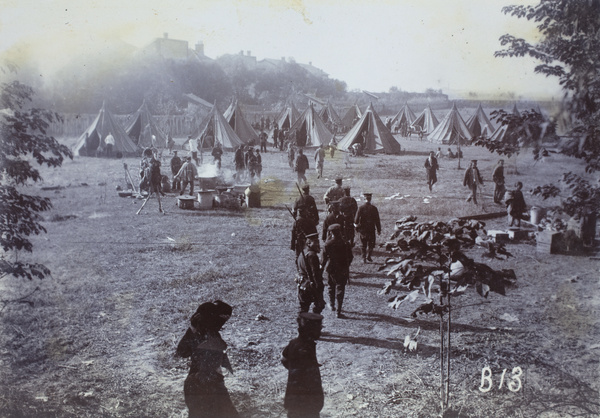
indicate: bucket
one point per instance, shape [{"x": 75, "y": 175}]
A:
[
  {"x": 253, "y": 196},
  {"x": 536, "y": 215}
]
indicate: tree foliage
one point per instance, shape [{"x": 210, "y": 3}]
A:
[
  {"x": 525, "y": 130},
  {"x": 23, "y": 143},
  {"x": 569, "y": 49}
]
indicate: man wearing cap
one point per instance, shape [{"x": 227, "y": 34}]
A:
[
  {"x": 335, "y": 192},
  {"x": 320, "y": 160},
  {"x": 304, "y": 391},
  {"x": 301, "y": 166},
  {"x": 187, "y": 174},
  {"x": 312, "y": 213},
  {"x": 348, "y": 208},
  {"x": 334, "y": 217},
  {"x": 471, "y": 180},
  {"x": 431, "y": 168},
  {"x": 366, "y": 223},
  {"x": 175, "y": 167},
  {"x": 301, "y": 229},
  {"x": 310, "y": 276},
  {"x": 336, "y": 262}
]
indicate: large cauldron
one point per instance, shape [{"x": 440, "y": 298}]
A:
[{"x": 207, "y": 183}]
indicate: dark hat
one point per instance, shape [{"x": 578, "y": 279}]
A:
[
  {"x": 338, "y": 178},
  {"x": 211, "y": 315},
  {"x": 473, "y": 161},
  {"x": 313, "y": 236},
  {"x": 334, "y": 227},
  {"x": 175, "y": 152},
  {"x": 367, "y": 194},
  {"x": 188, "y": 158},
  {"x": 305, "y": 187}
]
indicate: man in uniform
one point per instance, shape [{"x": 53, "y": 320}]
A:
[
  {"x": 334, "y": 217},
  {"x": 472, "y": 179},
  {"x": 348, "y": 208},
  {"x": 320, "y": 160},
  {"x": 301, "y": 166},
  {"x": 309, "y": 204},
  {"x": 335, "y": 192},
  {"x": 301, "y": 229},
  {"x": 304, "y": 391},
  {"x": 336, "y": 262},
  {"x": 310, "y": 276},
  {"x": 175, "y": 167},
  {"x": 498, "y": 179},
  {"x": 366, "y": 222},
  {"x": 187, "y": 174},
  {"x": 431, "y": 168}
]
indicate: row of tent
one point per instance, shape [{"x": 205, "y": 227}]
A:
[{"x": 232, "y": 129}]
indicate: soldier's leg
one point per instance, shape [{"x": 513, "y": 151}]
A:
[
  {"x": 339, "y": 294},
  {"x": 331, "y": 292},
  {"x": 318, "y": 301},
  {"x": 304, "y": 301},
  {"x": 363, "y": 247},
  {"x": 371, "y": 245}
]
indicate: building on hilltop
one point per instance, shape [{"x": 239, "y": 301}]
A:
[{"x": 167, "y": 48}]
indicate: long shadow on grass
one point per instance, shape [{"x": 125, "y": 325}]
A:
[{"x": 430, "y": 325}]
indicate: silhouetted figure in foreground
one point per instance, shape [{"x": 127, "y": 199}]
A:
[
  {"x": 205, "y": 393},
  {"x": 304, "y": 392}
]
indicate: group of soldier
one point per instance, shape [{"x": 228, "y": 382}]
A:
[{"x": 344, "y": 218}]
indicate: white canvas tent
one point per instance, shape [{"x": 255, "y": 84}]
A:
[
  {"x": 214, "y": 128},
  {"x": 142, "y": 128},
  {"x": 379, "y": 138},
  {"x": 479, "y": 123},
  {"x": 351, "y": 117},
  {"x": 310, "y": 131},
  {"x": 91, "y": 142},
  {"x": 235, "y": 117},
  {"x": 451, "y": 129},
  {"x": 405, "y": 115},
  {"x": 426, "y": 121}
]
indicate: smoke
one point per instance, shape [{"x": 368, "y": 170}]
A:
[{"x": 208, "y": 170}]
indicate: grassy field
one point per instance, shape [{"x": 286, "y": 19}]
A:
[{"x": 100, "y": 337}]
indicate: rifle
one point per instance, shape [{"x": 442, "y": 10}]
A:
[
  {"x": 310, "y": 277},
  {"x": 129, "y": 177}
]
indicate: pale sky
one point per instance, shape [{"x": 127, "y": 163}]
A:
[{"x": 371, "y": 45}]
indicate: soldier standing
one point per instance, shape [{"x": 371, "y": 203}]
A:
[
  {"x": 309, "y": 204},
  {"x": 334, "y": 217},
  {"x": 320, "y": 160},
  {"x": 335, "y": 192},
  {"x": 348, "y": 208},
  {"x": 471, "y": 180},
  {"x": 175, "y": 167},
  {"x": 304, "y": 392},
  {"x": 431, "y": 168},
  {"x": 366, "y": 222},
  {"x": 310, "y": 276},
  {"x": 301, "y": 166},
  {"x": 301, "y": 229},
  {"x": 336, "y": 261}
]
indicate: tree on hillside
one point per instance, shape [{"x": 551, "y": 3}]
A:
[{"x": 23, "y": 143}]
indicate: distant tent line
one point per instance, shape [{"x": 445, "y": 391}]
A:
[{"x": 311, "y": 129}]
